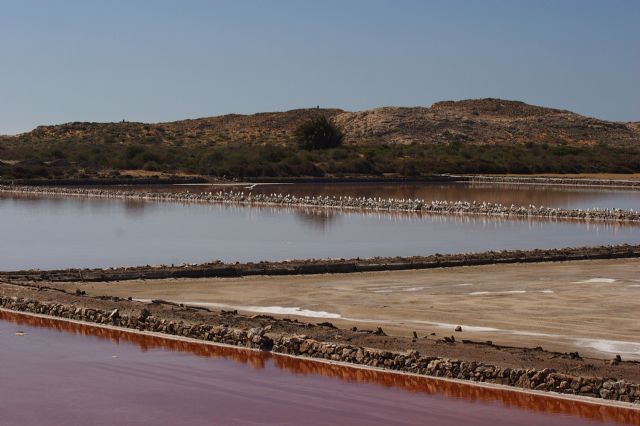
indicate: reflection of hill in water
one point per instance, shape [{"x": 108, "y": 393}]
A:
[
  {"x": 405, "y": 382},
  {"x": 319, "y": 219},
  {"x": 52, "y": 203}
]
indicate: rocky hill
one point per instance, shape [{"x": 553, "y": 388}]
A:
[{"x": 481, "y": 121}]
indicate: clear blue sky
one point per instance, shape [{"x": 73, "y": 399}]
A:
[{"x": 162, "y": 60}]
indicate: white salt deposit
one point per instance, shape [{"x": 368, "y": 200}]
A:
[
  {"x": 472, "y": 328},
  {"x": 482, "y": 293},
  {"x": 289, "y": 311},
  {"x": 618, "y": 347},
  {"x": 281, "y": 310},
  {"x": 396, "y": 288},
  {"x": 596, "y": 281}
]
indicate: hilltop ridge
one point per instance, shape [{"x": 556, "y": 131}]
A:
[{"x": 477, "y": 121}]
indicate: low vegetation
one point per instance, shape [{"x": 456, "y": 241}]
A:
[
  {"x": 318, "y": 133},
  {"x": 472, "y": 136},
  {"x": 80, "y": 160}
]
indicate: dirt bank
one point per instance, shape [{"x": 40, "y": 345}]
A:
[{"x": 324, "y": 266}]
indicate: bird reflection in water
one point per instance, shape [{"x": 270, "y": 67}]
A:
[{"x": 319, "y": 219}]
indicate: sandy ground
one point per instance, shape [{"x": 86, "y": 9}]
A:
[{"x": 589, "y": 306}]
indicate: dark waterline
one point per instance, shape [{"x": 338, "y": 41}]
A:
[
  {"x": 64, "y": 373},
  {"x": 49, "y": 233}
]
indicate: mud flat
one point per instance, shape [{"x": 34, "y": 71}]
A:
[
  {"x": 349, "y": 203},
  {"x": 585, "y": 306}
]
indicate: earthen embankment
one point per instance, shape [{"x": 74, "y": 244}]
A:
[{"x": 325, "y": 266}]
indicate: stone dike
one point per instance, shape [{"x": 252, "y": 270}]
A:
[
  {"x": 559, "y": 181},
  {"x": 343, "y": 202},
  {"x": 260, "y": 338},
  {"x": 325, "y": 266}
]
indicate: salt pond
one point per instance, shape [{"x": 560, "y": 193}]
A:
[
  {"x": 58, "y": 232},
  {"x": 99, "y": 376}
]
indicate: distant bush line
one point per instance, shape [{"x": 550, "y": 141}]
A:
[{"x": 74, "y": 159}]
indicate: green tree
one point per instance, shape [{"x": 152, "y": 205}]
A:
[{"x": 318, "y": 133}]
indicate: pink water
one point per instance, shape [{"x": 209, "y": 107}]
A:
[{"x": 60, "y": 373}]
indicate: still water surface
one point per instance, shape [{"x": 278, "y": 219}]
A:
[
  {"x": 60, "y": 373},
  {"x": 47, "y": 233}
]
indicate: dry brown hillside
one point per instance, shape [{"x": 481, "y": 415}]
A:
[
  {"x": 265, "y": 127},
  {"x": 481, "y": 121}
]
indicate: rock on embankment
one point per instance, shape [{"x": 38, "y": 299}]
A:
[
  {"x": 325, "y": 266},
  {"x": 554, "y": 181},
  {"x": 343, "y": 202},
  {"x": 410, "y": 362}
]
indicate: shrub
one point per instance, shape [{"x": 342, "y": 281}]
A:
[{"x": 318, "y": 133}]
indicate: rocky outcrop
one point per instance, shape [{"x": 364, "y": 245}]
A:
[{"x": 410, "y": 362}]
